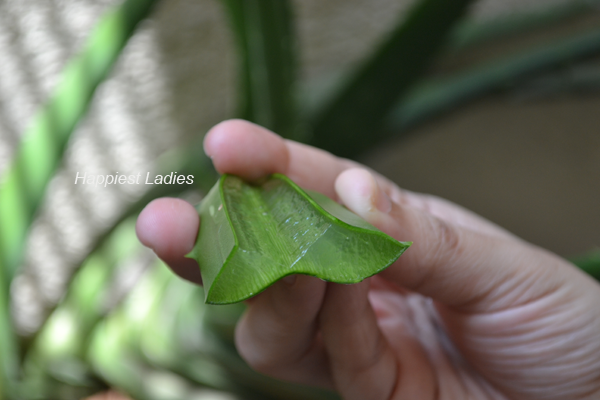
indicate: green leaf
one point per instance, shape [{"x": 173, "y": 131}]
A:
[
  {"x": 264, "y": 35},
  {"x": 589, "y": 263},
  {"x": 436, "y": 96},
  {"x": 472, "y": 33},
  {"x": 351, "y": 121},
  {"x": 438, "y": 93},
  {"x": 251, "y": 236}
]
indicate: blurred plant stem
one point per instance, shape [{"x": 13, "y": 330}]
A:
[
  {"x": 351, "y": 121},
  {"x": 56, "y": 358},
  {"x": 267, "y": 58},
  {"x": 470, "y": 33},
  {"x": 24, "y": 184},
  {"x": 436, "y": 96},
  {"x": 589, "y": 263}
]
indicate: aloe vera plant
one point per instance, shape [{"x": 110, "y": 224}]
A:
[{"x": 251, "y": 236}]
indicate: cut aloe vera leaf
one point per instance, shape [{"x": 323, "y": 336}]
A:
[{"x": 253, "y": 235}]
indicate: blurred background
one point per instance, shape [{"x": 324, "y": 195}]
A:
[{"x": 493, "y": 104}]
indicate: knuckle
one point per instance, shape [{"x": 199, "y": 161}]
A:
[
  {"x": 445, "y": 244},
  {"x": 372, "y": 359},
  {"x": 448, "y": 239}
]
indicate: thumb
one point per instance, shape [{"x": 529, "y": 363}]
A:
[{"x": 458, "y": 267}]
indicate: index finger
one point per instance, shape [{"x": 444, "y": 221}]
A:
[{"x": 250, "y": 151}]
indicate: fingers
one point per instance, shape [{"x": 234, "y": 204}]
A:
[
  {"x": 327, "y": 335},
  {"x": 315, "y": 169},
  {"x": 361, "y": 360},
  {"x": 278, "y": 333},
  {"x": 456, "y": 266},
  {"x": 250, "y": 151},
  {"x": 241, "y": 148},
  {"x": 449, "y": 212},
  {"x": 169, "y": 227}
]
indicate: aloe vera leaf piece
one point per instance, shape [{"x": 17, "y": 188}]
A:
[{"x": 251, "y": 236}]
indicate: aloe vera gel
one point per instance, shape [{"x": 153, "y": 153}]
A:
[{"x": 253, "y": 235}]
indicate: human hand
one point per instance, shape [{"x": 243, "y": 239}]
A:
[{"x": 469, "y": 311}]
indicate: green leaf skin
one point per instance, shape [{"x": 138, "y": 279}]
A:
[{"x": 251, "y": 236}]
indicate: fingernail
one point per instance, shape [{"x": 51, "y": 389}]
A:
[
  {"x": 290, "y": 279},
  {"x": 381, "y": 200},
  {"x": 360, "y": 192}
]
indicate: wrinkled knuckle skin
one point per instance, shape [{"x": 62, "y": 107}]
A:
[
  {"x": 444, "y": 245},
  {"x": 448, "y": 241}
]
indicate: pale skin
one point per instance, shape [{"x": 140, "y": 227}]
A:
[{"x": 468, "y": 312}]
